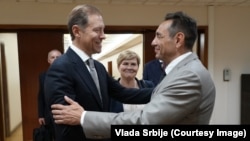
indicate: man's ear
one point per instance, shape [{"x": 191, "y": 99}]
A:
[
  {"x": 76, "y": 30},
  {"x": 179, "y": 39}
]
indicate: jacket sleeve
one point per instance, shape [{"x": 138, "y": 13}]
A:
[{"x": 128, "y": 95}]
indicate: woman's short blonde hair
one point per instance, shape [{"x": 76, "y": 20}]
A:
[{"x": 127, "y": 55}]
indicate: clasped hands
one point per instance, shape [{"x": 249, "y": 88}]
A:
[{"x": 67, "y": 114}]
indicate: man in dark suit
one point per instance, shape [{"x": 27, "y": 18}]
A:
[
  {"x": 153, "y": 71},
  {"x": 44, "y": 114},
  {"x": 70, "y": 74}
]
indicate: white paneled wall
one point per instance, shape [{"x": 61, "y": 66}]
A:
[{"x": 13, "y": 78}]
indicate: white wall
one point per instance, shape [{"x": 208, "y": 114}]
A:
[
  {"x": 231, "y": 49},
  {"x": 13, "y": 83},
  {"x": 228, "y": 38}
]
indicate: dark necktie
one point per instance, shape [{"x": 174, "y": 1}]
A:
[
  {"x": 163, "y": 66},
  {"x": 162, "y": 76},
  {"x": 93, "y": 73}
]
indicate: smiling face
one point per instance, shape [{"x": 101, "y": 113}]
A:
[
  {"x": 128, "y": 68},
  {"x": 89, "y": 39},
  {"x": 165, "y": 46}
]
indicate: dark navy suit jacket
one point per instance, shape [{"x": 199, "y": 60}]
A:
[
  {"x": 68, "y": 75},
  {"x": 43, "y": 108},
  {"x": 153, "y": 71}
]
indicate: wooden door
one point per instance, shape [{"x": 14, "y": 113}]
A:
[
  {"x": 148, "y": 50},
  {"x": 33, "y": 48}
]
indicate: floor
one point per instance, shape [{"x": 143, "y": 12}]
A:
[{"x": 17, "y": 135}]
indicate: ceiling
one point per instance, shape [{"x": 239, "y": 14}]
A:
[{"x": 153, "y": 2}]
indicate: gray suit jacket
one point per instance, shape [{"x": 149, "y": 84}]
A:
[{"x": 185, "y": 96}]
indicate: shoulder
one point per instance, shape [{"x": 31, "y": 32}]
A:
[
  {"x": 146, "y": 83},
  {"x": 152, "y": 62},
  {"x": 149, "y": 83}
]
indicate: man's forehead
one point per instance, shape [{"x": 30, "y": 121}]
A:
[
  {"x": 162, "y": 28},
  {"x": 96, "y": 19}
]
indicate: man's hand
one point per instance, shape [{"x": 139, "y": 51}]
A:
[
  {"x": 41, "y": 121},
  {"x": 67, "y": 114}
]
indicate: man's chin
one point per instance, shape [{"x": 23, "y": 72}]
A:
[
  {"x": 98, "y": 51},
  {"x": 157, "y": 56}
]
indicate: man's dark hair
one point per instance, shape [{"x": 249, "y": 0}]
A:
[{"x": 185, "y": 24}]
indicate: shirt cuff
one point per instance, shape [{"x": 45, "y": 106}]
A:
[{"x": 82, "y": 118}]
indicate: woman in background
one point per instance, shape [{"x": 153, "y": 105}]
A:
[{"x": 128, "y": 64}]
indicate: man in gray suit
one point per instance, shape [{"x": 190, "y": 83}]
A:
[{"x": 185, "y": 96}]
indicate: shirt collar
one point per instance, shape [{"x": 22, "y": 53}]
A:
[
  {"x": 173, "y": 63},
  {"x": 80, "y": 53}
]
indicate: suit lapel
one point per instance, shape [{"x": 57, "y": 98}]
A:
[
  {"x": 84, "y": 74},
  {"x": 187, "y": 60},
  {"x": 180, "y": 65},
  {"x": 184, "y": 62}
]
